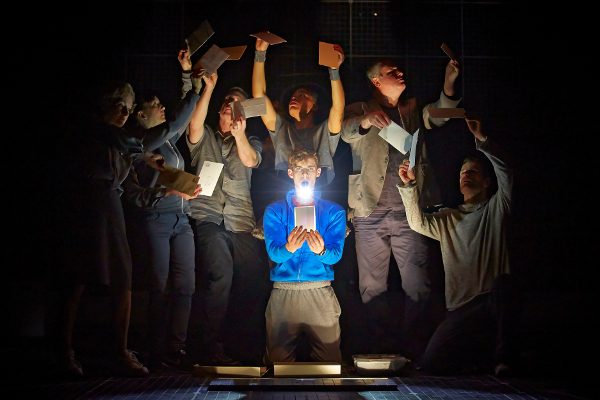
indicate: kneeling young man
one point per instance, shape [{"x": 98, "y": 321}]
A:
[{"x": 302, "y": 300}]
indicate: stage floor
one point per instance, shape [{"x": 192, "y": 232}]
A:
[{"x": 174, "y": 385}]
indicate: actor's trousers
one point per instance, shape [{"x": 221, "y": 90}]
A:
[
  {"x": 377, "y": 236},
  {"x": 224, "y": 259},
  {"x": 164, "y": 247},
  {"x": 309, "y": 308},
  {"x": 482, "y": 329}
]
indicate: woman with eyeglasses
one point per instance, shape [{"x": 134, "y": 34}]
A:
[{"x": 96, "y": 253}]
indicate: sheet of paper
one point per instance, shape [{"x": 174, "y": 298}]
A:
[
  {"x": 235, "y": 53},
  {"x": 446, "y": 112},
  {"x": 250, "y": 108},
  {"x": 397, "y": 137},
  {"x": 269, "y": 37},
  {"x": 327, "y": 55},
  {"x": 304, "y": 216},
  {"x": 448, "y": 51},
  {"x": 199, "y": 37},
  {"x": 237, "y": 109},
  {"x": 212, "y": 60},
  {"x": 209, "y": 176},
  {"x": 413, "y": 150},
  {"x": 177, "y": 179}
]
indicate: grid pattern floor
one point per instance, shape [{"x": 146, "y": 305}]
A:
[{"x": 176, "y": 386}]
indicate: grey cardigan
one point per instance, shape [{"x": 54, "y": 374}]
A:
[{"x": 370, "y": 153}]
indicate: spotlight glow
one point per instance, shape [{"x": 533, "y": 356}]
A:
[{"x": 304, "y": 192}]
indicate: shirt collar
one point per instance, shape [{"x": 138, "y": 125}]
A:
[{"x": 292, "y": 193}]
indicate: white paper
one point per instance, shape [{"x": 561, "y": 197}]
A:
[
  {"x": 397, "y": 137},
  {"x": 209, "y": 176},
  {"x": 305, "y": 216},
  {"x": 413, "y": 150}
]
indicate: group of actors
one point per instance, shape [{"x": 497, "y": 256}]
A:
[{"x": 121, "y": 222}]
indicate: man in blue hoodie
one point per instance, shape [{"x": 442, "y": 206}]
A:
[{"x": 302, "y": 300}]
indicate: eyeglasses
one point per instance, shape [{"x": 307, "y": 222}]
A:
[{"x": 122, "y": 106}]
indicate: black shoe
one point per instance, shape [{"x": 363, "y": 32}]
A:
[
  {"x": 155, "y": 364},
  {"x": 179, "y": 360},
  {"x": 221, "y": 360}
]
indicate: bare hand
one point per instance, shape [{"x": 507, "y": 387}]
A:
[
  {"x": 452, "y": 71},
  {"x": 296, "y": 239},
  {"x": 238, "y": 127},
  {"x": 210, "y": 81},
  {"x": 261, "y": 45},
  {"x": 406, "y": 174},
  {"x": 340, "y": 52},
  {"x": 315, "y": 242},
  {"x": 185, "y": 196},
  {"x": 378, "y": 119},
  {"x": 156, "y": 161},
  {"x": 474, "y": 124},
  {"x": 184, "y": 58}
]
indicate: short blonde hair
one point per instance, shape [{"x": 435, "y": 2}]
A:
[
  {"x": 113, "y": 92},
  {"x": 301, "y": 154}
]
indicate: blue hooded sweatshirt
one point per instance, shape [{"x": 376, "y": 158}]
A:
[{"x": 304, "y": 265}]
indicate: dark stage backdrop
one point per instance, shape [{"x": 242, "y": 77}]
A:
[{"x": 522, "y": 70}]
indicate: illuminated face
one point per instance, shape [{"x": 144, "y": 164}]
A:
[
  {"x": 391, "y": 81},
  {"x": 472, "y": 180},
  {"x": 152, "y": 113},
  {"x": 301, "y": 103},
  {"x": 305, "y": 171},
  {"x": 225, "y": 110},
  {"x": 118, "y": 113}
]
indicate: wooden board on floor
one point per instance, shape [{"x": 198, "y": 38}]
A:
[{"x": 256, "y": 372}]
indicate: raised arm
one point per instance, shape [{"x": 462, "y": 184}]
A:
[
  {"x": 156, "y": 136},
  {"x": 447, "y": 98},
  {"x": 249, "y": 156},
  {"x": 197, "y": 121},
  {"x": 184, "y": 59},
  {"x": 504, "y": 173},
  {"x": 423, "y": 223},
  {"x": 338, "y": 101},
  {"x": 259, "y": 84}
]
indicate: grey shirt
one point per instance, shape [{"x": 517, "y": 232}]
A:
[
  {"x": 472, "y": 237},
  {"x": 230, "y": 201},
  {"x": 317, "y": 138}
]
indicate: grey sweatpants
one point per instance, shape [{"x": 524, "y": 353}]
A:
[{"x": 303, "y": 307}]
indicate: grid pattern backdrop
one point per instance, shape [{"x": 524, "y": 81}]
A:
[{"x": 482, "y": 33}]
